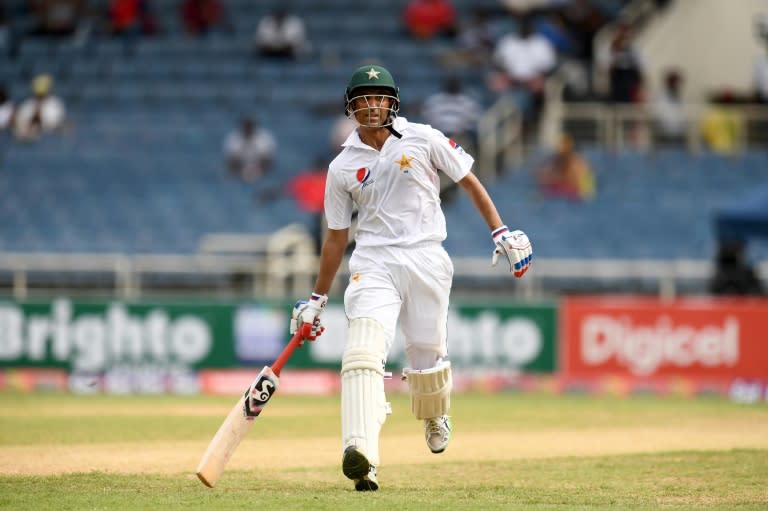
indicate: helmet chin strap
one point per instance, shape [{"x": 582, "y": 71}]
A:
[{"x": 391, "y": 127}]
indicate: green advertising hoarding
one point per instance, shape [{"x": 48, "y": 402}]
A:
[{"x": 95, "y": 336}]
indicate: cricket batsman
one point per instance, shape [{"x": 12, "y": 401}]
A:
[{"x": 388, "y": 169}]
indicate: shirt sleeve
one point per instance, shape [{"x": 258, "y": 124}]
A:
[
  {"x": 448, "y": 156},
  {"x": 338, "y": 202}
]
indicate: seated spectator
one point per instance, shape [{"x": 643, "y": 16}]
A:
[
  {"x": 721, "y": 127},
  {"x": 57, "y": 18},
  {"x": 340, "y": 130},
  {"x": 760, "y": 77},
  {"x": 669, "y": 112},
  {"x": 202, "y": 16},
  {"x": 456, "y": 114},
  {"x": 425, "y": 19},
  {"x": 568, "y": 174},
  {"x": 249, "y": 151},
  {"x": 453, "y": 112},
  {"x": 760, "y": 67},
  {"x": 40, "y": 114},
  {"x": 130, "y": 18},
  {"x": 734, "y": 275},
  {"x": 523, "y": 61},
  {"x": 475, "y": 41},
  {"x": 583, "y": 19},
  {"x": 8, "y": 39},
  {"x": 625, "y": 68},
  {"x": 7, "y": 110},
  {"x": 308, "y": 190},
  {"x": 281, "y": 35}
]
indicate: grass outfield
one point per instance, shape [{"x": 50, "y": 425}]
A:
[{"x": 510, "y": 451}]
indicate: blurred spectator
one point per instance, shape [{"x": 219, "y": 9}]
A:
[
  {"x": 281, "y": 35},
  {"x": 734, "y": 275},
  {"x": 42, "y": 113},
  {"x": 7, "y": 110},
  {"x": 340, "y": 130},
  {"x": 475, "y": 39},
  {"x": 453, "y": 112},
  {"x": 456, "y": 114},
  {"x": 669, "y": 112},
  {"x": 8, "y": 38},
  {"x": 552, "y": 26},
  {"x": 760, "y": 69},
  {"x": 524, "y": 59},
  {"x": 625, "y": 68},
  {"x": 523, "y": 62},
  {"x": 201, "y": 16},
  {"x": 760, "y": 78},
  {"x": 721, "y": 127},
  {"x": 584, "y": 19},
  {"x": 308, "y": 190},
  {"x": 249, "y": 151},
  {"x": 57, "y": 18},
  {"x": 568, "y": 174},
  {"x": 130, "y": 18},
  {"x": 425, "y": 19}
]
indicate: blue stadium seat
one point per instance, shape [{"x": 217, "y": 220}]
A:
[{"x": 141, "y": 170}]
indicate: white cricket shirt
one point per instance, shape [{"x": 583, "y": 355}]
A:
[{"x": 397, "y": 189}]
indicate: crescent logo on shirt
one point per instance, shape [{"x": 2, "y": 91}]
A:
[{"x": 363, "y": 176}]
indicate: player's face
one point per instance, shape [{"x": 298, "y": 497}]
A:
[{"x": 371, "y": 107}]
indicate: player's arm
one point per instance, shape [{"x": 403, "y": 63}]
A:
[
  {"x": 331, "y": 255},
  {"x": 482, "y": 201},
  {"x": 514, "y": 245},
  {"x": 309, "y": 311}
]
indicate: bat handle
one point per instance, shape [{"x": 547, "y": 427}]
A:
[{"x": 294, "y": 343}]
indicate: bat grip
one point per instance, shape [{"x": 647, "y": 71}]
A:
[{"x": 294, "y": 343}]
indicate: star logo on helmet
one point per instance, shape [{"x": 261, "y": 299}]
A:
[{"x": 373, "y": 74}]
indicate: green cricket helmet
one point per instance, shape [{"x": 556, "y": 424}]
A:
[{"x": 371, "y": 76}]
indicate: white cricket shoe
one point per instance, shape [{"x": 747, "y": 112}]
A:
[
  {"x": 437, "y": 432},
  {"x": 356, "y": 466}
]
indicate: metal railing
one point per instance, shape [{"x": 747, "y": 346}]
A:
[
  {"x": 617, "y": 127},
  {"x": 499, "y": 134},
  {"x": 273, "y": 266},
  {"x": 283, "y": 272}
]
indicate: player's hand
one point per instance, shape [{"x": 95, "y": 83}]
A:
[
  {"x": 516, "y": 247},
  {"x": 306, "y": 316}
]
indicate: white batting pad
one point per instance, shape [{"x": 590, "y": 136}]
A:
[
  {"x": 430, "y": 390},
  {"x": 363, "y": 403}
]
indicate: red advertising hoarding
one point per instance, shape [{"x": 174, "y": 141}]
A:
[{"x": 711, "y": 339}]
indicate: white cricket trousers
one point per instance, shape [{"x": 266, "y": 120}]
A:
[{"x": 412, "y": 284}]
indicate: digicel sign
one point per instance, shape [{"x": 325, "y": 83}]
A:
[{"x": 647, "y": 337}]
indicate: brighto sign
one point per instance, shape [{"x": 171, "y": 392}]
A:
[
  {"x": 645, "y": 348},
  {"x": 94, "y": 342}
]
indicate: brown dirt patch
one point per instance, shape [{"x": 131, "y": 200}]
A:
[{"x": 255, "y": 452}]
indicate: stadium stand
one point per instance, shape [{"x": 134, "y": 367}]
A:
[{"x": 140, "y": 169}]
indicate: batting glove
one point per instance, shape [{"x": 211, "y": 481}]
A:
[
  {"x": 306, "y": 316},
  {"x": 516, "y": 246}
]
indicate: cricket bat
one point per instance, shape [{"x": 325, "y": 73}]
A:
[{"x": 240, "y": 419}]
